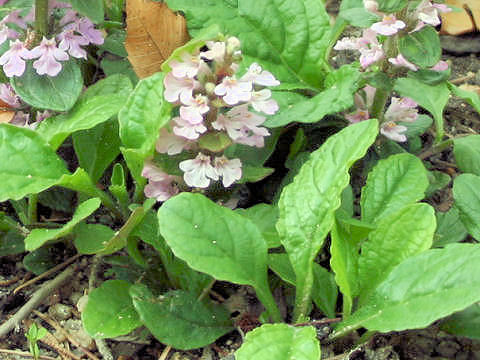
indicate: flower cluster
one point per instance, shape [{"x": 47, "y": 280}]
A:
[
  {"x": 75, "y": 32},
  {"x": 400, "y": 110},
  {"x": 371, "y": 51},
  {"x": 212, "y": 101}
]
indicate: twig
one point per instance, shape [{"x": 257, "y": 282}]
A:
[
  {"x": 37, "y": 298},
  {"x": 103, "y": 349},
  {"x": 10, "y": 281},
  {"x": 165, "y": 352},
  {"x": 69, "y": 337},
  {"x": 47, "y": 273},
  {"x": 319, "y": 322},
  {"x": 25, "y": 354},
  {"x": 462, "y": 79}
]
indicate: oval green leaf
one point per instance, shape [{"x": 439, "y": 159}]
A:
[
  {"x": 27, "y": 164},
  {"x": 466, "y": 192},
  {"x": 109, "y": 311},
  {"x": 307, "y": 205},
  {"x": 393, "y": 183},
  {"x": 58, "y": 93},
  {"x": 467, "y": 153},
  {"x": 421, "y": 47},
  {"x": 420, "y": 290},
  {"x": 397, "y": 237},
  {"x": 280, "y": 342},
  {"x": 178, "y": 319}
]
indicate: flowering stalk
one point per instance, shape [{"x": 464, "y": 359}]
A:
[{"x": 41, "y": 18}]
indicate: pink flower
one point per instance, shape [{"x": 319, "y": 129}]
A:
[
  {"x": 86, "y": 28},
  {"x": 160, "y": 185},
  {"x": 13, "y": 60},
  {"x": 232, "y": 127},
  {"x": 372, "y": 6},
  {"x": 346, "y": 43},
  {"x": 179, "y": 88},
  {"x": 188, "y": 130},
  {"x": 216, "y": 51},
  {"x": 48, "y": 55},
  {"x": 400, "y": 61},
  {"x": 358, "y": 116},
  {"x": 3, "y": 2},
  {"x": 6, "y": 33},
  {"x": 14, "y": 18},
  {"x": 20, "y": 119},
  {"x": 229, "y": 170},
  {"x": 8, "y": 96},
  {"x": 261, "y": 101},
  {"x": 195, "y": 109},
  {"x": 365, "y": 102},
  {"x": 388, "y": 26},
  {"x": 404, "y": 109},
  {"x": 370, "y": 49},
  {"x": 69, "y": 17},
  {"x": 233, "y": 90},
  {"x": 429, "y": 13},
  {"x": 258, "y": 76},
  {"x": 171, "y": 144},
  {"x": 393, "y": 131},
  {"x": 188, "y": 67},
  {"x": 71, "y": 43},
  {"x": 440, "y": 66},
  {"x": 198, "y": 171},
  {"x": 42, "y": 115},
  {"x": 371, "y": 55}
]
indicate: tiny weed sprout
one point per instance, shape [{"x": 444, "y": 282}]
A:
[{"x": 264, "y": 172}]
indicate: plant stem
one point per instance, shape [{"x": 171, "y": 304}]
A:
[
  {"x": 436, "y": 149},
  {"x": 41, "y": 18},
  {"x": 266, "y": 298},
  {"x": 303, "y": 296},
  {"x": 378, "y": 105},
  {"x": 32, "y": 209}
]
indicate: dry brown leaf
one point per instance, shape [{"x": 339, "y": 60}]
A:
[
  {"x": 469, "y": 87},
  {"x": 457, "y": 23},
  {"x": 5, "y": 115},
  {"x": 153, "y": 32}
]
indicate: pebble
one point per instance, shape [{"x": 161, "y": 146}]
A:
[{"x": 60, "y": 311}]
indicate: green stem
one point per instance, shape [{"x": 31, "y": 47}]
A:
[
  {"x": 436, "y": 149},
  {"x": 41, "y": 18},
  {"x": 32, "y": 208},
  {"x": 303, "y": 296},
  {"x": 266, "y": 298},
  {"x": 378, "y": 105}
]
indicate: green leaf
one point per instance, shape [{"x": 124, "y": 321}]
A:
[
  {"x": 122, "y": 66},
  {"x": 430, "y": 77},
  {"x": 114, "y": 84},
  {"x": 280, "y": 342},
  {"x": 91, "y": 238},
  {"x": 438, "y": 180},
  {"x": 397, "y": 237},
  {"x": 41, "y": 260},
  {"x": 421, "y": 47},
  {"x": 467, "y": 153},
  {"x": 324, "y": 292},
  {"x": 394, "y": 182},
  {"x": 432, "y": 98},
  {"x": 59, "y": 199},
  {"x": 135, "y": 160},
  {"x": 450, "y": 228},
  {"x": 308, "y": 204},
  {"x": 198, "y": 231},
  {"x": 469, "y": 96},
  {"x": 418, "y": 127},
  {"x": 344, "y": 263},
  {"x": 27, "y": 164},
  {"x": 144, "y": 114},
  {"x": 390, "y": 6},
  {"x": 294, "y": 51},
  {"x": 38, "y": 237},
  {"x": 118, "y": 186},
  {"x": 11, "y": 243},
  {"x": 353, "y": 11},
  {"x": 58, "y": 93},
  {"x": 464, "y": 323},
  {"x": 441, "y": 284},
  {"x": 93, "y": 9},
  {"x": 109, "y": 311},
  {"x": 215, "y": 142},
  {"x": 285, "y": 100},
  {"x": 114, "y": 43},
  {"x": 265, "y": 216},
  {"x": 178, "y": 319},
  {"x": 254, "y": 173},
  {"x": 340, "y": 87},
  {"x": 86, "y": 114},
  {"x": 96, "y": 148},
  {"x": 466, "y": 192}
]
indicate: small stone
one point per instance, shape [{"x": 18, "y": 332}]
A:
[
  {"x": 75, "y": 328},
  {"x": 60, "y": 311}
]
